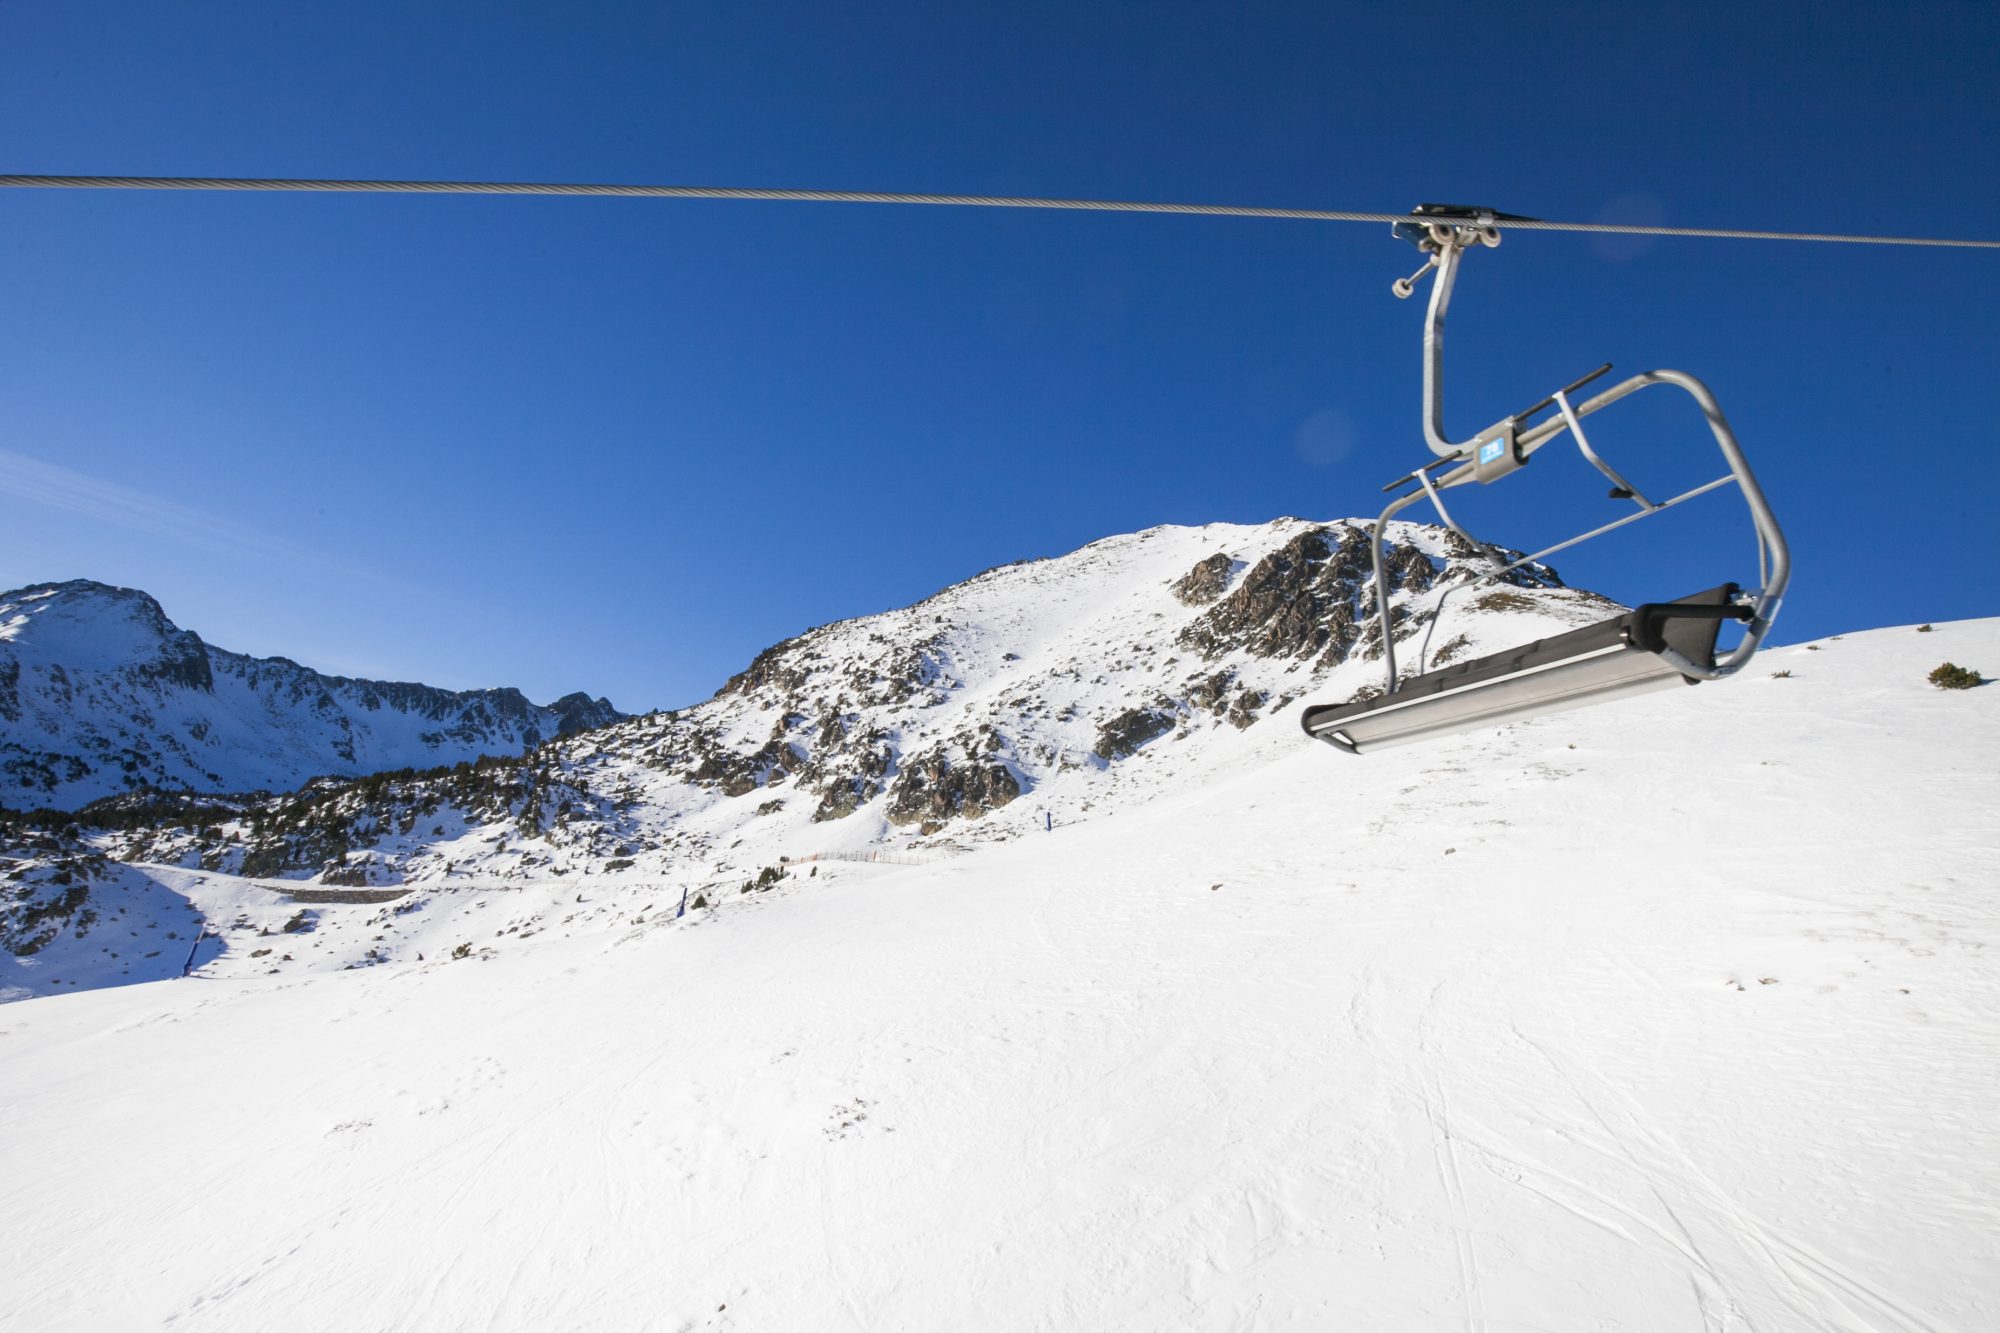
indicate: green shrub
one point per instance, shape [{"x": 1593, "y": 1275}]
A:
[{"x": 1949, "y": 677}]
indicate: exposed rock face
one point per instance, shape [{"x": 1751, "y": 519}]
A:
[
  {"x": 183, "y": 660},
  {"x": 774, "y": 668},
  {"x": 932, "y": 788},
  {"x": 1205, "y": 582},
  {"x": 1314, "y": 597},
  {"x": 41, "y": 898},
  {"x": 1301, "y": 601},
  {"x": 741, "y": 774},
  {"x": 579, "y": 712},
  {"x": 1214, "y": 694},
  {"x": 1122, "y": 736},
  {"x": 843, "y": 796},
  {"x": 100, "y": 693},
  {"x": 10, "y": 690},
  {"x": 848, "y": 776}
]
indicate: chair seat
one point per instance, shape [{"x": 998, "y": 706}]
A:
[{"x": 1595, "y": 664}]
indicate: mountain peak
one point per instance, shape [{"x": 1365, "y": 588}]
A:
[
  {"x": 83, "y": 625},
  {"x": 101, "y": 693}
]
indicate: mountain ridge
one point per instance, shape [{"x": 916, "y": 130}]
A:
[
  {"x": 101, "y": 693},
  {"x": 1062, "y": 688}
]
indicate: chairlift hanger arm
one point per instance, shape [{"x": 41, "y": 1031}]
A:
[{"x": 1443, "y": 232}]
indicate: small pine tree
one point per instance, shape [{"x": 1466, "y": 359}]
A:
[{"x": 1950, "y": 677}]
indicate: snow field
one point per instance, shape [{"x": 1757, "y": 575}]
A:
[{"x": 1673, "y": 1014}]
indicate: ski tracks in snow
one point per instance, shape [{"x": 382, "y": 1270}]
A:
[
  {"x": 1744, "y": 1274},
  {"x": 1437, "y": 1112},
  {"x": 1739, "y": 1263}
]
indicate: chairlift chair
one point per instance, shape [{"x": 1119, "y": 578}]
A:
[{"x": 1654, "y": 646}]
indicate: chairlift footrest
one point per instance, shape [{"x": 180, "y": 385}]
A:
[{"x": 1608, "y": 660}]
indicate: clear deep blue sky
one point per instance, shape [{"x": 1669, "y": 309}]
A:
[{"x": 621, "y": 445}]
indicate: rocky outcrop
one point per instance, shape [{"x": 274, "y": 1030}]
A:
[
  {"x": 842, "y": 795},
  {"x": 933, "y": 788},
  {"x": 1217, "y": 694},
  {"x": 774, "y": 669},
  {"x": 1205, "y": 582},
  {"x": 1122, "y": 736},
  {"x": 579, "y": 712},
  {"x": 1313, "y": 599},
  {"x": 183, "y": 661},
  {"x": 741, "y": 774},
  {"x": 1301, "y": 601},
  {"x": 849, "y": 773}
]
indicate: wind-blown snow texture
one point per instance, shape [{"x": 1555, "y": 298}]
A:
[
  {"x": 100, "y": 693},
  {"x": 1674, "y": 1013}
]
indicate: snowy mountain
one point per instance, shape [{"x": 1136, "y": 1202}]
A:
[
  {"x": 101, "y": 693},
  {"x": 1675, "y": 1013},
  {"x": 1052, "y": 690}
]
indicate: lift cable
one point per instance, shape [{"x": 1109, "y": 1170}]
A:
[{"x": 957, "y": 200}]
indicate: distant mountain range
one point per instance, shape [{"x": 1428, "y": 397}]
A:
[
  {"x": 1048, "y": 689},
  {"x": 100, "y": 693},
  {"x": 1042, "y": 693}
]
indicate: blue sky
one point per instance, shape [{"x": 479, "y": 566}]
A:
[{"x": 621, "y": 445}]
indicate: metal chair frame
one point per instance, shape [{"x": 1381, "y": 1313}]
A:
[{"x": 1503, "y": 448}]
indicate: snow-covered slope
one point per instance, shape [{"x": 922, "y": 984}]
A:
[
  {"x": 1054, "y": 690},
  {"x": 101, "y": 693},
  {"x": 1672, "y": 1014}
]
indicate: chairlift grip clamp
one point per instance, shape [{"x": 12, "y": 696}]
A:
[{"x": 1440, "y": 229}]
